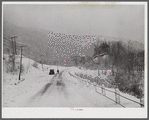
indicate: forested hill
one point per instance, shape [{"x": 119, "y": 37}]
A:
[{"x": 52, "y": 47}]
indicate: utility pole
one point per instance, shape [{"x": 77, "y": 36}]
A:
[
  {"x": 15, "y": 47},
  {"x": 21, "y": 60},
  {"x": 13, "y": 51},
  {"x": 13, "y": 55},
  {"x": 98, "y": 55},
  {"x": 14, "y": 44}
]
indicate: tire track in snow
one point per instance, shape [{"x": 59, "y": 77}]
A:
[
  {"x": 55, "y": 87},
  {"x": 44, "y": 89}
]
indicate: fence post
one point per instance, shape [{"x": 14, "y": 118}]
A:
[
  {"x": 141, "y": 88},
  {"x": 117, "y": 95},
  {"x": 142, "y": 101},
  {"x": 103, "y": 89}
]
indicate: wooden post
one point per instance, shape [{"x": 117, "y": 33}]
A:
[
  {"x": 103, "y": 89},
  {"x": 21, "y": 61},
  {"x": 13, "y": 51},
  {"x": 20, "y": 64},
  {"x": 13, "y": 55},
  {"x": 142, "y": 94},
  {"x": 14, "y": 44},
  {"x": 15, "y": 47},
  {"x": 117, "y": 95},
  {"x": 142, "y": 101}
]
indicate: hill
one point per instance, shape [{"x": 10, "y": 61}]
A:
[{"x": 59, "y": 47}]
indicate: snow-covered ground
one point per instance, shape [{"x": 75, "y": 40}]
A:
[
  {"x": 123, "y": 101},
  {"x": 32, "y": 79},
  {"x": 94, "y": 73},
  {"x": 39, "y": 89}
]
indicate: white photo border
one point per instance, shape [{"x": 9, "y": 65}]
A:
[{"x": 87, "y": 112}]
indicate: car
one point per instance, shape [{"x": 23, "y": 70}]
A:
[{"x": 51, "y": 72}]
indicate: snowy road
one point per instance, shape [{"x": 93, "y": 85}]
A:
[
  {"x": 63, "y": 90},
  {"x": 59, "y": 90},
  {"x": 39, "y": 89}
]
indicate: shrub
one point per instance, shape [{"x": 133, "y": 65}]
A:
[
  {"x": 35, "y": 65},
  {"x": 129, "y": 86}
]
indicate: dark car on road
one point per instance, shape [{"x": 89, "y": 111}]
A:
[{"x": 51, "y": 72}]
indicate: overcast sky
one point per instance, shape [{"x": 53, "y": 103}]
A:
[{"x": 114, "y": 21}]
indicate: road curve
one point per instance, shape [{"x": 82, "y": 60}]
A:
[{"x": 66, "y": 91}]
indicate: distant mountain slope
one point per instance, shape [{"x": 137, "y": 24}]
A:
[
  {"x": 35, "y": 40},
  {"x": 59, "y": 46}
]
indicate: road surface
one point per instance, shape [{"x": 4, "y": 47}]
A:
[{"x": 61, "y": 90}]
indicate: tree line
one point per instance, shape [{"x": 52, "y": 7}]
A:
[{"x": 125, "y": 62}]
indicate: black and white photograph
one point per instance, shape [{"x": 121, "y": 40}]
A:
[{"x": 74, "y": 55}]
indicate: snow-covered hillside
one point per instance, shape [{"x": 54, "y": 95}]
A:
[
  {"x": 39, "y": 89},
  {"x": 13, "y": 88}
]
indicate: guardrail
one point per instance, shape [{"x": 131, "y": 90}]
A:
[{"x": 116, "y": 92}]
